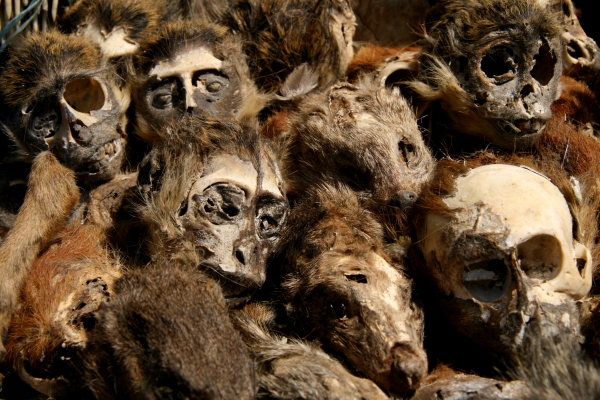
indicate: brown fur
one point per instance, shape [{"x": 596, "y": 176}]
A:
[
  {"x": 166, "y": 334},
  {"x": 360, "y": 135},
  {"x": 275, "y": 36},
  {"x": 67, "y": 284},
  {"x": 51, "y": 195},
  {"x": 370, "y": 58},
  {"x": 332, "y": 260},
  {"x": 296, "y": 369}
]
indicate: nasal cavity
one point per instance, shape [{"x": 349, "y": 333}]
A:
[
  {"x": 404, "y": 199},
  {"x": 527, "y": 90},
  {"x": 239, "y": 254}
]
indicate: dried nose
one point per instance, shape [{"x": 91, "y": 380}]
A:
[
  {"x": 404, "y": 199},
  {"x": 409, "y": 367}
]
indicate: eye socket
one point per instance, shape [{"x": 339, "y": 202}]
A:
[
  {"x": 540, "y": 257},
  {"x": 165, "y": 95},
  {"x": 360, "y": 278},
  {"x": 500, "y": 64},
  {"x": 338, "y": 310},
  {"x": 85, "y": 95},
  {"x": 212, "y": 80},
  {"x": 407, "y": 150},
  {"x": 487, "y": 281},
  {"x": 221, "y": 203},
  {"x": 543, "y": 70},
  {"x": 271, "y": 214}
]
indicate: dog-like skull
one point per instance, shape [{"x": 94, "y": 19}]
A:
[{"x": 505, "y": 259}]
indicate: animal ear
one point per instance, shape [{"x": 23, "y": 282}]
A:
[{"x": 151, "y": 171}]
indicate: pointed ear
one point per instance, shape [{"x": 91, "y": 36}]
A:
[{"x": 151, "y": 170}]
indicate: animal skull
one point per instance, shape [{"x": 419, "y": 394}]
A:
[
  {"x": 506, "y": 258},
  {"x": 235, "y": 213},
  {"x": 580, "y": 51},
  {"x": 66, "y": 101}
]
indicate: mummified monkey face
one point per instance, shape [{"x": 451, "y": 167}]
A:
[
  {"x": 185, "y": 68},
  {"x": 507, "y": 260},
  {"x": 497, "y": 65},
  {"x": 63, "y": 99},
  {"x": 235, "y": 213}
]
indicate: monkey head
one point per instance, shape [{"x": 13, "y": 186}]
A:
[
  {"x": 195, "y": 68},
  {"x": 63, "y": 96},
  {"x": 116, "y": 26},
  {"x": 214, "y": 192},
  {"x": 495, "y": 66}
]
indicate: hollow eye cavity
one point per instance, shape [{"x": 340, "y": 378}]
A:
[
  {"x": 407, "y": 151},
  {"x": 212, "y": 81},
  {"x": 85, "y": 95},
  {"x": 271, "y": 214},
  {"x": 540, "y": 257},
  {"x": 500, "y": 64},
  {"x": 488, "y": 280},
  {"x": 221, "y": 203}
]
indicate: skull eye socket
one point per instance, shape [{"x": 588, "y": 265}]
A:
[
  {"x": 500, "y": 64},
  {"x": 212, "y": 80},
  {"x": 270, "y": 216},
  {"x": 360, "y": 278},
  {"x": 85, "y": 95},
  {"x": 338, "y": 310},
  {"x": 165, "y": 96},
  {"x": 487, "y": 281},
  {"x": 543, "y": 70},
  {"x": 221, "y": 203},
  {"x": 540, "y": 257},
  {"x": 407, "y": 150}
]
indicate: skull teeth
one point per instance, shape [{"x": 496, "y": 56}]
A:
[{"x": 108, "y": 151}]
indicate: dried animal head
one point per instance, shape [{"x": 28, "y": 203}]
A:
[
  {"x": 501, "y": 256},
  {"x": 116, "y": 26},
  {"x": 67, "y": 285},
  {"x": 344, "y": 290},
  {"x": 363, "y": 136},
  {"x": 279, "y": 36},
  {"x": 580, "y": 51},
  {"x": 62, "y": 96},
  {"x": 166, "y": 334},
  {"x": 495, "y": 66},
  {"x": 195, "y": 68},
  {"x": 214, "y": 189}
]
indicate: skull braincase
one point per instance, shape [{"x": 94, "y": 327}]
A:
[
  {"x": 510, "y": 237},
  {"x": 235, "y": 213}
]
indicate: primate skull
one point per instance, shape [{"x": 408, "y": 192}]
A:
[
  {"x": 220, "y": 197},
  {"x": 63, "y": 98},
  {"x": 580, "y": 50},
  {"x": 190, "y": 68},
  {"x": 504, "y": 261},
  {"x": 495, "y": 65}
]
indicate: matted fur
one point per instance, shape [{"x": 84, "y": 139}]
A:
[
  {"x": 293, "y": 368},
  {"x": 167, "y": 334},
  {"x": 176, "y": 38},
  {"x": 282, "y": 35},
  {"x": 68, "y": 283},
  {"x": 51, "y": 196}
]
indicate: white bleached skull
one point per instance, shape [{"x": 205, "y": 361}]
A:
[
  {"x": 64, "y": 99},
  {"x": 580, "y": 50},
  {"x": 505, "y": 260}
]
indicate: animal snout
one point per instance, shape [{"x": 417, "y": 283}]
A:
[
  {"x": 409, "y": 367},
  {"x": 404, "y": 199}
]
